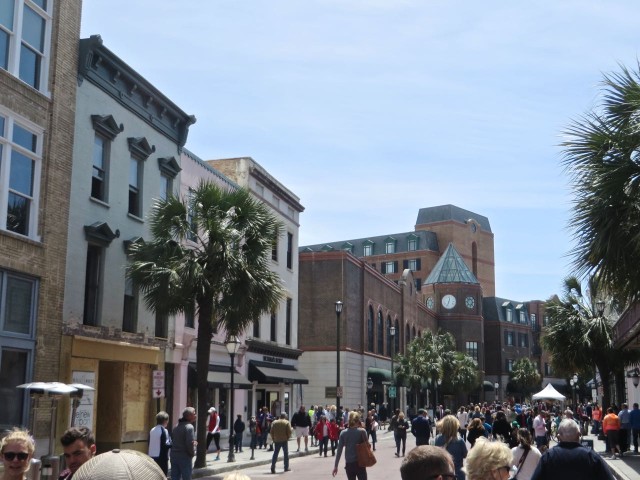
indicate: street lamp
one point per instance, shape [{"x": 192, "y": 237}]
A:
[
  {"x": 369, "y": 387},
  {"x": 232, "y": 347},
  {"x": 496, "y": 386},
  {"x": 339, "y": 305},
  {"x": 635, "y": 378},
  {"x": 392, "y": 334}
]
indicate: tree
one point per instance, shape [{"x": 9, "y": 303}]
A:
[
  {"x": 601, "y": 156},
  {"x": 578, "y": 338},
  {"x": 210, "y": 251},
  {"x": 434, "y": 357},
  {"x": 525, "y": 376}
]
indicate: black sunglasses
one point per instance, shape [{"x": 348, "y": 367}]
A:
[{"x": 22, "y": 456}]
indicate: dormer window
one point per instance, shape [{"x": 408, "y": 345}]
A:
[
  {"x": 390, "y": 245},
  {"x": 412, "y": 243},
  {"x": 509, "y": 314},
  {"x": 348, "y": 247},
  {"x": 367, "y": 248}
]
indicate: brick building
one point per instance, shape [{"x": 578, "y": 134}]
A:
[{"x": 37, "y": 112}]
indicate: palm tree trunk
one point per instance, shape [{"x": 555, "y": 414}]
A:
[{"x": 203, "y": 351}]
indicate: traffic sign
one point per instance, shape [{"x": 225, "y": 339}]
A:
[
  {"x": 392, "y": 391},
  {"x": 339, "y": 392},
  {"x": 158, "y": 393}
]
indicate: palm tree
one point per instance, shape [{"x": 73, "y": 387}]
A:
[
  {"x": 601, "y": 156},
  {"x": 578, "y": 338},
  {"x": 525, "y": 375},
  {"x": 209, "y": 250}
]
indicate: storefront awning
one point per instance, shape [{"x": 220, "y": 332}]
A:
[
  {"x": 219, "y": 376},
  {"x": 379, "y": 376},
  {"x": 265, "y": 372}
]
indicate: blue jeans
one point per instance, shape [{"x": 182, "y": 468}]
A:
[
  {"x": 181, "y": 467},
  {"x": 276, "y": 451}
]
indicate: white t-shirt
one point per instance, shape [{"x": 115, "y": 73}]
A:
[
  {"x": 530, "y": 463},
  {"x": 463, "y": 418},
  {"x": 539, "y": 426}
]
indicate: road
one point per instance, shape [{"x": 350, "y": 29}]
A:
[{"x": 314, "y": 467}]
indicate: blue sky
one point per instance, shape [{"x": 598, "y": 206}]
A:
[{"x": 369, "y": 109}]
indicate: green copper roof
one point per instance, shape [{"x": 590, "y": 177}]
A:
[{"x": 451, "y": 269}]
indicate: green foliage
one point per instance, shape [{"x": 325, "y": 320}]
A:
[
  {"x": 525, "y": 376},
  {"x": 210, "y": 250}
]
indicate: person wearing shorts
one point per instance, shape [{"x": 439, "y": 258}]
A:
[{"x": 301, "y": 422}]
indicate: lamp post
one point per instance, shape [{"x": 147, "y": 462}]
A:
[
  {"x": 369, "y": 387},
  {"x": 338, "y": 312},
  {"x": 635, "y": 378},
  {"x": 392, "y": 334},
  {"x": 232, "y": 347},
  {"x": 496, "y": 386}
]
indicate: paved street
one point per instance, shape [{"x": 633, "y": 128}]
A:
[{"x": 388, "y": 466}]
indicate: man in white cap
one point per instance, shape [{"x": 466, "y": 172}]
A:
[{"x": 213, "y": 430}]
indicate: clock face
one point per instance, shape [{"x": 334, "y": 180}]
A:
[
  {"x": 470, "y": 302},
  {"x": 430, "y": 303},
  {"x": 448, "y": 301}
]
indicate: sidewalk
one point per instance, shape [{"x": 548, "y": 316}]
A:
[{"x": 625, "y": 468}]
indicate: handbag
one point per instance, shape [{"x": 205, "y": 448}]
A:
[{"x": 366, "y": 458}]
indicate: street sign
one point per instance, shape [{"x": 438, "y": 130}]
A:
[
  {"x": 338, "y": 392},
  {"x": 158, "y": 393},
  {"x": 392, "y": 391},
  {"x": 158, "y": 379}
]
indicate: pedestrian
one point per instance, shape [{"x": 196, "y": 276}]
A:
[
  {"x": 280, "y": 433},
  {"x": 371, "y": 426},
  {"x": 160, "y": 442},
  {"x": 238, "y": 431},
  {"x": 500, "y": 429},
  {"x": 78, "y": 446},
  {"x": 17, "y": 449},
  {"x": 264, "y": 423},
  {"x": 334, "y": 434},
  {"x": 321, "y": 432},
  {"x": 213, "y": 430},
  {"x": 569, "y": 459},
  {"x": 625, "y": 427},
  {"x": 427, "y": 462},
  {"x": 611, "y": 428},
  {"x": 400, "y": 433},
  {"x": 421, "y": 427},
  {"x": 634, "y": 423},
  {"x": 539, "y": 428},
  {"x": 488, "y": 461},
  {"x": 452, "y": 443},
  {"x": 120, "y": 464},
  {"x": 463, "y": 418},
  {"x": 525, "y": 456},
  {"x": 475, "y": 430},
  {"x": 596, "y": 417},
  {"x": 301, "y": 422},
  {"x": 183, "y": 446},
  {"x": 349, "y": 438},
  {"x": 253, "y": 430}
]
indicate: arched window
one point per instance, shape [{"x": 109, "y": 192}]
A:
[
  {"x": 380, "y": 333},
  {"x": 413, "y": 333},
  {"x": 397, "y": 337},
  {"x": 474, "y": 257},
  {"x": 407, "y": 335},
  {"x": 370, "y": 330},
  {"x": 388, "y": 335}
]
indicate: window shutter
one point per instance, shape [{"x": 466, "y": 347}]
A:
[
  {"x": 418, "y": 265},
  {"x": 383, "y": 267},
  {"x": 405, "y": 264},
  {"x": 395, "y": 266}
]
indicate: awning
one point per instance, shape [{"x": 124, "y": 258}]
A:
[
  {"x": 379, "y": 376},
  {"x": 219, "y": 376},
  {"x": 266, "y": 372},
  {"x": 488, "y": 386}
]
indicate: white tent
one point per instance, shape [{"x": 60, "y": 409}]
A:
[{"x": 548, "y": 393}]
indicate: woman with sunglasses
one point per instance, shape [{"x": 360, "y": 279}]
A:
[
  {"x": 489, "y": 461},
  {"x": 17, "y": 450}
]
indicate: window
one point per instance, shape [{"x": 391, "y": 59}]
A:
[
  {"x": 130, "y": 310},
  {"x": 370, "y": 330},
  {"x": 418, "y": 284},
  {"x": 135, "y": 187},
  {"x": 256, "y": 329},
  {"x": 472, "y": 350},
  {"x": 390, "y": 246},
  {"x": 545, "y": 320},
  {"x": 508, "y": 339},
  {"x": 25, "y": 30},
  {"x": 274, "y": 325},
  {"x": 276, "y": 202},
  {"x": 169, "y": 169},
  {"x": 547, "y": 369},
  {"x": 193, "y": 231},
  {"x": 162, "y": 325},
  {"x": 99, "y": 173},
  {"x": 380, "y": 334},
  {"x": 260, "y": 189},
  {"x": 140, "y": 151},
  {"x": 93, "y": 285},
  {"x": 274, "y": 249},
  {"x": 523, "y": 317},
  {"x": 190, "y": 317},
  {"x": 20, "y": 165},
  {"x": 389, "y": 267},
  {"x": 509, "y": 315},
  {"x": 288, "y": 322},
  {"x": 367, "y": 249},
  {"x": 414, "y": 264},
  {"x": 17, "y": 304},
  {"x": 412, "y": 244},
  {"x": 509, "y": 364},
  {"x": 388, "y": 330},
  {"x": 396, "y": 339},
  {"x": 14, "y": 366},
  {"x": 532, "y": 316},
  {"x": 289, "y": 250},
  {"x": 523, "y": 340}
]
